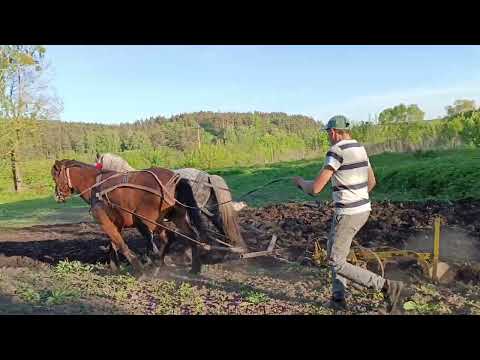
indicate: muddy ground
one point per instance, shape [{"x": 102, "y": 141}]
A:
[{"x": 288, "y": 283}]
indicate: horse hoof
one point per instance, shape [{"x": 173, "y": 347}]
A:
[
  {"x": 158, "y": 270},
  {"x": 140, "y": 276},
  {"x": 195, "y": 271},
  {"x": 114, "y": 268}
]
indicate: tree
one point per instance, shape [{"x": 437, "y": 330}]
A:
[
  {"x": 401, "y": 113},
  {"x": 460, "y": 106},
  {"x": 24, "y": 99},
  {"x": 414, "y": 113}
]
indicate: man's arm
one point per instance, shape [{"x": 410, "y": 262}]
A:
[
  {"x": 371, "y": 179},
  {"x": 316, "y": 186}
]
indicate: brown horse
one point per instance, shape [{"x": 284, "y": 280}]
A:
[
  {"x": 210, "y": 192},
  {"x": 72, "y": 176}
]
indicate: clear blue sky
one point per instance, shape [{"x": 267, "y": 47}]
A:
[{"x": 113, "y": 84}]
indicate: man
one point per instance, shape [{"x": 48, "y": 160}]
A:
[{"x": 348, "y": 167}]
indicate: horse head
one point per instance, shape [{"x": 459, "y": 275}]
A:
[{"x": 61, "y": 177}]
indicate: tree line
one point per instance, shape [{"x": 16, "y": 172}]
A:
[{"x": 203, "y": 139}]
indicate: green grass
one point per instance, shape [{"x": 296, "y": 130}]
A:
[
  {"x": 68, "y": 267},
  {"x": 43, "y": 210},
  {"x": 254, "y": 297},
  {"x": 440, "y": 175}
]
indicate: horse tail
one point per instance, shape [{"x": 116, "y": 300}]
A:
[
  {"x": 184, "y": 194},
  {"x": 226, "y": 211}
]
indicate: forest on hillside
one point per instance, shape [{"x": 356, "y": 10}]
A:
[
  {"x": 203, "y": 132},
  {"x": 206, "y": 140},
  {"x": 185, "y": 132}
]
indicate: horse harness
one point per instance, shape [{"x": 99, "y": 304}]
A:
[
  {"x": 102, "y": 195},
  {"x": 166, "y": 190},
  {"x": 172, "y": 182}
]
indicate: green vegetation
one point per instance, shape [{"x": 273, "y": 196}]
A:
[
  {"x": 203, "y": 139},
  {"x": 401, "y": 113},
  {"x": 68, "y": 267},
  {"x": 208, "y": 140},
  {"x": 413, "y": 160},
  {"x": 254, "y": 297},
  {"x": 417, "y": 176},
  {"x": 249, "y": 149},
  {"x": 42, "y": 210},
  {"x": 74, "y": 289},
  {"x": 24, "y": 100},
  {"x": 460, "y": 106},
  {"x": 229, "y": 139},
  {"x": 441, "y": 175}
]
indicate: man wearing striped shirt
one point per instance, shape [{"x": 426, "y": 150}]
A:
[{"x": 348, "y": 167}]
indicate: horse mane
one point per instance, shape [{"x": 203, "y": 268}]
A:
[
  {"x": 115, "y": 163},
  {"x": 75, "y": 163}
]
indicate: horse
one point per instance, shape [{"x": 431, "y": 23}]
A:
[
  {"x": 211, "y": 193},
  {"x": 152, "y": 194},
  {"x": 214, "y": 198}
]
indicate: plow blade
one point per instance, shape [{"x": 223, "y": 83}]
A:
[
  {"x": 269, "y": 250},
  {"x": 241, "y": 251}
]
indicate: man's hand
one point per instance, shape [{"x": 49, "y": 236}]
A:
[{"x": 305, "y": 186}]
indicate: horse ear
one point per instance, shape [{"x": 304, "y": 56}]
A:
[{"x": 57, "y": 165}]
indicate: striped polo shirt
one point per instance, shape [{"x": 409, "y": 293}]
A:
[{"x": 350, "y": 163}]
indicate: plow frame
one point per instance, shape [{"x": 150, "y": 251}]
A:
[{"x": 380, "y": 255}]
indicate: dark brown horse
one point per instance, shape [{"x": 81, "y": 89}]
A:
[
  {"x": 211, "y": 193},
  {"x": 72, "y": 176}
]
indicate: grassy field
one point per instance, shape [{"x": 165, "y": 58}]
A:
[
  {"x": 71, "y": 287},
  {"x": 441, "y": 175}
]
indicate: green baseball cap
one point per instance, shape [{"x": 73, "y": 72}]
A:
[{"x": 338, "y": 122}]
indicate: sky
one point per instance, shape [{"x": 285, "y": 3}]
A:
[{"x": 118, "y": 84}]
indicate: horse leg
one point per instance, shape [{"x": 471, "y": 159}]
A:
[
  {"x": 187, "y": 229},
  {"x": 215, "y": 218},
  {"x": 112, "y": 230},
  {"x": 166, "y": 239},
  {"x": 185, "y": 195},
  {"x": 114, "y": 261},
  {"x": 152, "y": 250},
  {"x": 217, "y": 221}
]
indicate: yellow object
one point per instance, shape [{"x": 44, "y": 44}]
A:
[
  {"x": 363, "y": 256},
  {"x": 319, "y": 255},
  {"x": 436, "y": 249},
  {"x": 395, "y": 253}
]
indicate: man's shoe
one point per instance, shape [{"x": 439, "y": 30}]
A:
[{"x": 338, "y": 303}]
